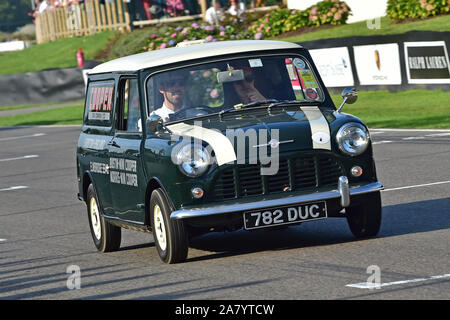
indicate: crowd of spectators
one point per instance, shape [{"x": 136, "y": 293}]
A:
[
  {"x": 155, "y": 9},
  {"x": 216, "y": 13}
]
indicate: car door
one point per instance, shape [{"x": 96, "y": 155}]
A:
[
  {"x": 96, "y": 133},
  {"x": 127, "y": 181}
]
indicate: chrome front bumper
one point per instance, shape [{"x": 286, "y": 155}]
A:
[{"x": 344, "y": 192}]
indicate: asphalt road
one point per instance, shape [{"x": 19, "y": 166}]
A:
[{"x": 44, "y": 236}]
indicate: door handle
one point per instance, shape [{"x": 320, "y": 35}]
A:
[{"x": 112, "y": 143}]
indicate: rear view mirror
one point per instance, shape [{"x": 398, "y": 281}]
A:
[{"x": 230, "y": 76}]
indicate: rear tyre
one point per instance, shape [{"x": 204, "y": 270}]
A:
[
  {"x": 171, "y": 237},
  {"x": 364, "y": 219},
  {"x": 106, "y": 236}
]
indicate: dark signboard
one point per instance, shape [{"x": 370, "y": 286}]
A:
[{"x": 427, "y": 62}]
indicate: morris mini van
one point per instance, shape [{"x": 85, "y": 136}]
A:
[{"x": 220, "y": 136}]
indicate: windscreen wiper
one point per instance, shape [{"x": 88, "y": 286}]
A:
[{"x": 248, "y": 105}]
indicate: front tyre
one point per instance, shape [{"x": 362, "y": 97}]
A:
[
  {"x": 171, "y": 238},
  {"x": 106, "y": 236},
  {"x": 364, "y": 219}
]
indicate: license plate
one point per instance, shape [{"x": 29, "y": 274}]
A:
[{"x": 285, "y": 215}]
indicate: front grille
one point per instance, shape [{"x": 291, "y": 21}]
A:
[{"x": 296, "y": 173}]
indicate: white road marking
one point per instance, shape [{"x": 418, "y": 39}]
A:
[
  {"x": 438, "y": 134},
  {"x": 20, "y": 137},
  {"x": 18, "y": 158},
  {"x": 14, "y": 188},
  {"x": 371, "y": 285},
  {"x": 411, "y": 130},
  {"x": 417, "y": 186},
  {"x": 382, "y": 142},
  {"x": 2, "y": 240},
  {"x": 413, "y": 138}
]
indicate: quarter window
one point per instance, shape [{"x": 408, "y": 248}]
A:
[
  {"x": 129, "y": 113},
  {"x": 99, "y": 103}
]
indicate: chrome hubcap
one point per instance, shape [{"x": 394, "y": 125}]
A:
[
  {"x": 160, "y": 230},
  {"x": 95, "y": 219}
]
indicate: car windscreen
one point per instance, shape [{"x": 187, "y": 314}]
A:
[{"x": 198, "y": 90}]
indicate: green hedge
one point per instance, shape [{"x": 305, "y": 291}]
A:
[
  {"x": 404, "y": 9},
  {"x": 271, "y": 24}
]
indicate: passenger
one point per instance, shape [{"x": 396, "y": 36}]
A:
[{"x": 246, "y": 89}]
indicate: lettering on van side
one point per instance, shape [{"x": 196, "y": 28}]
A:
[
  {"x": 122, "y": 171},
  {"x": 98, "y": 167}
]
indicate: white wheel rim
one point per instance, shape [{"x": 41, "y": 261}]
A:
[
  {"x": 160, "y": 229},
  {"x": 95, "y": 219}
]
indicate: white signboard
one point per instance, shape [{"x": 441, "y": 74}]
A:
[
  {"x": 334, "y": 66},
  {"x": 427, "y": 62},
  {"x": 12, "y": 46},
  {"x": 378, "y": 64}
]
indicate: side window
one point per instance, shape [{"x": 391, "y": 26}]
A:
[
  {"x": 129, "y": 111},
  {"x": 99, "y": 103}
]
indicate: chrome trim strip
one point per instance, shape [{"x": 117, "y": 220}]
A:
[
  {"x": 344, "y": 191},
  {"x": 240, "y": 207}
]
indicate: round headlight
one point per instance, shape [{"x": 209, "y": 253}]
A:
[
  {"x": 352, "y": 138},
  {"x": 193, "y": 160}
]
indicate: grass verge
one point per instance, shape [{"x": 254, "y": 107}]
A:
[
  {"x": 58, "y": 116},
  {"x": 414, "y": 109}
]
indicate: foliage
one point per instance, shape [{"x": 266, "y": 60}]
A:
[
  {"x": 253, "y": 26},
  {"x": 404, "y": 9},
  {"x": 284, "y": 20},
  {"x": 14, "y": 14}
]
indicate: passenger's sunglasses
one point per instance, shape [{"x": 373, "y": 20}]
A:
[{"x": 248, "y": 78}]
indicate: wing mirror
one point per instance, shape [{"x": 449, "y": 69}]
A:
[{"x": 350, "y": 95}]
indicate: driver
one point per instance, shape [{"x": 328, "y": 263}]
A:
[{"x": 173, "y": 88}]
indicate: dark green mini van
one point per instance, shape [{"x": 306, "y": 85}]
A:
[{"x": 219, "y": 137}]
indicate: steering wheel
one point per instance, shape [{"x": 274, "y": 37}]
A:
[{"x": 183, "y": 113}]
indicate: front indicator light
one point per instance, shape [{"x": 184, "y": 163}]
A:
[
  {"x": 197, "y": 192},
  {"x": 356, "y": 171}
]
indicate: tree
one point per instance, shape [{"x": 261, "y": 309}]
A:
[{"x": 14, "y": 14}]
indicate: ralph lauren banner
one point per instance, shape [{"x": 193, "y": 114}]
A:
[{"x": 427, "y": 62}]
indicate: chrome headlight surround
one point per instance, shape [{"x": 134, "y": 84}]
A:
[
  {"x": 193, "y": 160},
  {"x": 353, "y": 138}
]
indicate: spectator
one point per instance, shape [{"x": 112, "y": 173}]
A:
[
  {"x": 43, "y": 5},
  {"x": 235, "y": 8},
  {"x": 147, "y": 4},
  {"x": 214, "y": 14}
]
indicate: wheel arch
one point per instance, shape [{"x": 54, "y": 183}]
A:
[
  {"x": 87, "y": 180},
  {"x": 153, "y": 184}
]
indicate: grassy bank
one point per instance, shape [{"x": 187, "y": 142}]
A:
[
  {"x": 105, "y": 46},
  {"x": 417, "y": 109},
  {"x": 387, "y": 26},
  {"x": 57, "y": 54}
]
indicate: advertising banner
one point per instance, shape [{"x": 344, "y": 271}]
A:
[
  {"x": 334, "y": 66},
  {"x": 427, "y": 62},
  {"x": 378, "y": 64}
]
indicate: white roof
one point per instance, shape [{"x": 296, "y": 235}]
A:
[{"x": 176, "y": 54}]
